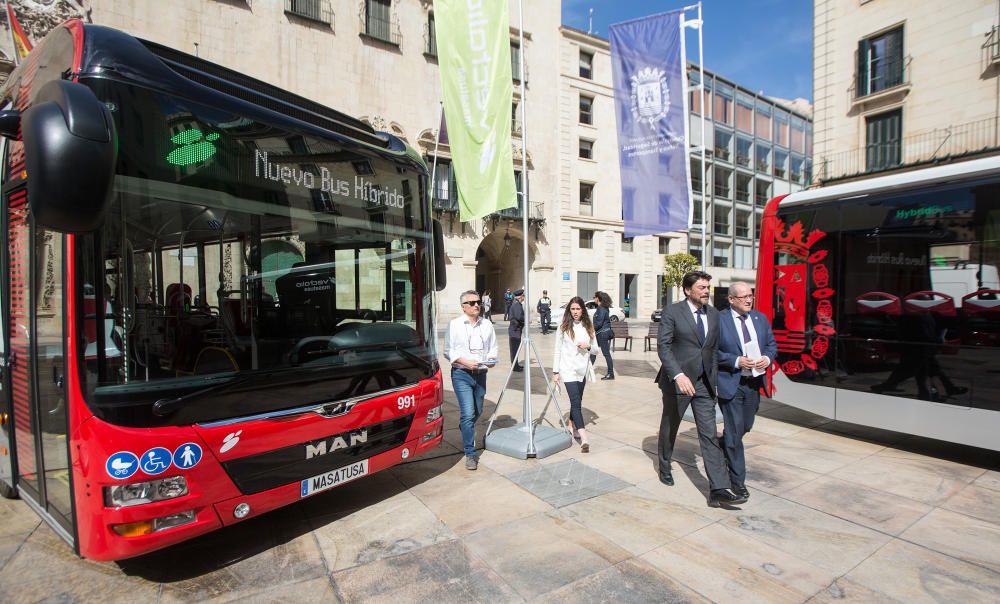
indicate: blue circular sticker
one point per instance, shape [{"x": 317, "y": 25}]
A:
[
  {"x": 121, "y": 465},
  {"x": 155, "y": 461},
  {"x": 187, "y": 456}
]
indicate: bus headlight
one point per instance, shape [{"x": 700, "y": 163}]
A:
[
  {"x": 433, "y": 414},
  {"x": 138, "y": 493}
]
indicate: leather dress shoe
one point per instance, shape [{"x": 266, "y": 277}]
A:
[
  {"x": 722, "y": 497},
  {"x": 609, "y": 376},
  {"x": 667, "y": 479},
  {"x": 741, "y": 491},
  {"x": 518, "y": 368}
]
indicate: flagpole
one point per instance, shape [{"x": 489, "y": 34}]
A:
[
  {"x": 434, "y": 162},
  {"x": 10, "y": 28},
  {"x": 524, "y": 228},
  {"x": 706, "y": 258}
]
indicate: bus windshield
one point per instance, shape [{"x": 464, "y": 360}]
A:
[{"x": 247, "y": 267}]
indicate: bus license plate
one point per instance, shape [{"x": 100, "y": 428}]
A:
[{"x": 330, "y": 479}]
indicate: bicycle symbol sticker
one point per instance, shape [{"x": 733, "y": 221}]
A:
[
  {"x": 187, "y": 456},
  {"x": 121, "y": 465},
  {"x": 155, "y": 461}
]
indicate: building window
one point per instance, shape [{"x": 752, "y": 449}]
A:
[
  {"x": 314, "y": 10},
  {"x": 694, "y": 248},
  {"x": 696, "y": 100},
  {"x": 697, "y": 208},
  {"x": 445, "y": 193},
  {"x": 762, "y": 192},
  {"x": 798, "y": 135},
  {"x": 880, "y": 62},
  {"x": 809, "y": 171},
  {"x": 884, "y": 140},
  {"x": 586, "y": 199},
  {"x": 744, "y": 148},
  {"x": 515, "y": 121},
  {"x": 762, "y": 121},
  {"x": 379, "y": 23},
  {"x": 586, "y": 239},
  {"x": 586, "y": 149},
  {"x": 780, "y": 128},
  {"x": 586, "y": 65},
  {"x": 723, "y": 104},
  {"x": 744, "y": 113},
  {"x": 432, "y": 43},
  {"x": 758, "y": 219},
  {"x": 723, "y": 144},
  {"x": 795, "y": 172},
  {"x": 763, "y": 158},
  {"x": 723, "y": 182},
  {"x": 586, "y": 109},
  {"x": 696, "y": 182},
  {"x": 780, "y": 163},
  {"x": 720, "y": 224},
  {"x": 664, "y": 245},
  {"x": 515, "y": 61},
  {"x": 743, "y": 186},
  {"x": 720, "y": 254},
  {"x": 743, "y": 223},
  {"x": 628, "y": 244},
  {"x": 744, "y": 257}
]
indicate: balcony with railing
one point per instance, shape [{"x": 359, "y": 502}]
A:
[
  {"x": 887, "y": 79},
  {"x": 939, "y": 145},
  {"x": 378, "y": 22},
  {"x": 536, "y": 211},
  {"x": 313, "y": 10},
  {"x": 991, "y": 47}
]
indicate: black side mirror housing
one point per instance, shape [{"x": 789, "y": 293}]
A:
[
  {"x": 70, "y": 151},
  {"x": 440, "y": 270}
]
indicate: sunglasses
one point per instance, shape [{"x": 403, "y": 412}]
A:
[{"x": 472, "y": 302}]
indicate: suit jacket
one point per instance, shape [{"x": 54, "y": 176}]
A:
[
  {"x": 679, "y": 349},
  {"x": 516, "y": 320},
  {"x": 730, "y": 348}
]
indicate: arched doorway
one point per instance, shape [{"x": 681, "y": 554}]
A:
[{"x": 499, "y": 264}]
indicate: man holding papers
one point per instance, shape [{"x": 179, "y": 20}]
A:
[{"x": 746, "y": 349}]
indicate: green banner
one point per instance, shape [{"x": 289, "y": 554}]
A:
[{"x": 474, "y": 56}]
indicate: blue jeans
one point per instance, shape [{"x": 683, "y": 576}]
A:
[
  {"x": 574, "y": 390},
  {"x": 470, "y": 388}
]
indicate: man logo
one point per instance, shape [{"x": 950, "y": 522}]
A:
[
  {"x": 335, "y": 443},
  {"x": 230, "y": 441}
]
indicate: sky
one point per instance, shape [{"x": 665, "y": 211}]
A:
[{"x": 763, "y": 45}]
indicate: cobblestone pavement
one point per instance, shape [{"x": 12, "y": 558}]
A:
[{"x": 836, "y": 514}]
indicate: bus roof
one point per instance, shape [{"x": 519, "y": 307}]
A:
[{"x": 966, "y": 170}]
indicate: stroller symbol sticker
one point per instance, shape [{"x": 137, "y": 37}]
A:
[
  {"x": 155, "y": 461},
  {"x": 121, "y": 465}
]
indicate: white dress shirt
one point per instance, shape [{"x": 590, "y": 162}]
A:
[
  {"x": 571, "y": 363},
  {"x": 466, "y": 339},
  {"x": 755, "y": 343}
]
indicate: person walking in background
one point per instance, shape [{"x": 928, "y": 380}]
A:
[
  {"x": 508, "y": 298},
  {"x": 516, "y": 327},
  {"x": 575, "y": 341},
  {"x": 470, "y": 344},
  {"x": 602, "y": 326},
  {"x": 687, "y": 344},
  {"x": 746, "y": 348},
  {"x": 487, "y": 305},
  {"x": 545, "y": 311}
]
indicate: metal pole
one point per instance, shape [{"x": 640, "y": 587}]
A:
[
  {"x": 10, "y": 29},
  {"x": 437, "y": 141},
  {"x": 524, "y": 227},
  {"x": 705, "y": 257}
]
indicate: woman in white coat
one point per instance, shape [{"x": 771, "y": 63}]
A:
[{"x": 574, "y": 344}]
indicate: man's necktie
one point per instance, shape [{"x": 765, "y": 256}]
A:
[
  {"x": 701, "y": 326},
  {"x": 746, "y": 332}
]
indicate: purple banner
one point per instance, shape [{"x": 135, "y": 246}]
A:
[{"x": 648, "y": 73}]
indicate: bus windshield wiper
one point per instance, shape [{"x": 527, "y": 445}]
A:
[{"x": 166, "y": 406}]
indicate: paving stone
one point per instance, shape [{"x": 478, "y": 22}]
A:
[
  {"x": 958, "y": 535},
  {"x": 630, "y": 581},
  {"x": 859, "y": 504},
  {"x": 566, "y": 482}
]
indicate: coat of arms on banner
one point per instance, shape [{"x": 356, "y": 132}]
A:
[{"x": 650, "y": 96}]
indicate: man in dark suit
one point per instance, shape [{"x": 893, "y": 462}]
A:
[
  {"x": 746, "y": 349},
  {"x": 515, "y": 327},
  {"x": 687, "y": 343}
]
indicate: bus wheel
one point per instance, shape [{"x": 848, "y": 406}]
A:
[{"x": 7, "y": 491}]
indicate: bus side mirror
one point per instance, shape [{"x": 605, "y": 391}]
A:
[
  {"x": 440, "y": 271},
  {"x": 70, "y": 150}
]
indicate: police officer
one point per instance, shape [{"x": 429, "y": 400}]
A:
[{"x": 545, "y": 311}]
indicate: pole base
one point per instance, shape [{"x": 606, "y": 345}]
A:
[{"x": 514, "y": 441}]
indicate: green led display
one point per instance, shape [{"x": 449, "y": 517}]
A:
[{"x": 194, "y": 147}]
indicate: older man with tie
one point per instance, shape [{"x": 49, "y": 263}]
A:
[{"x": 746, "y": 349}]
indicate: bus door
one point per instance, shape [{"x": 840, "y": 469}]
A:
[{"x": 36, "y": 364}]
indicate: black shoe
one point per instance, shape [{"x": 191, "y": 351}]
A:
[
  {"x": 518, "y": 368},
  {"x": 741, "y": 491},
  {"x": 722, "y": 497},
  {"x": 609, "y": 376},
  {"x": 667, "y": 479},
  {"x": 956, "y": 390}
]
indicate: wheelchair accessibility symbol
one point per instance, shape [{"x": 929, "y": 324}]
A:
[
  {"x": 121, "y": 465},
  {"x": 187, "y": 456},
  {"x": 155, "y": 461}
]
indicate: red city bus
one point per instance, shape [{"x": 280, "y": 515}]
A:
[
  {"x": 218, "y": 296},
  {"x": 885, "y": 301}
]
